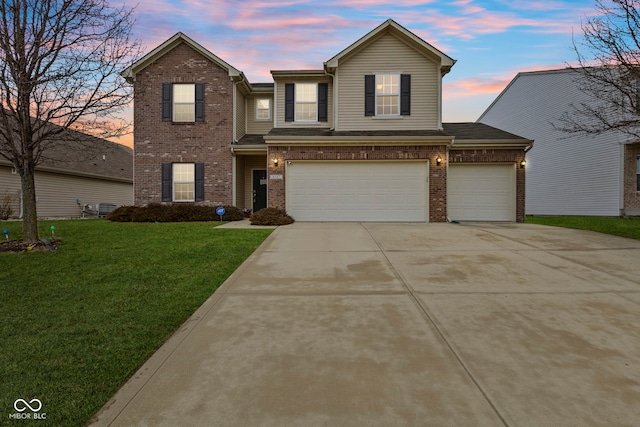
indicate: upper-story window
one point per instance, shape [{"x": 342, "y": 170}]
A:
[
  {"x": 183, "y": 102},
  {"x": 387, "y": 95},
  {"x": 306, "y": 102},
  {"x": 263, "y": 109}
]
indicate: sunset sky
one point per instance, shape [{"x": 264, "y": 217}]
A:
[{"x": 491, "y": 40}]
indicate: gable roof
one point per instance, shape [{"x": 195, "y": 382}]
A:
[
  {"x": 524, "y": 74},
  {"x": 84, "y": 155},
  {"x": 164, "y": 48},
  {"x": 446, "y": 62}
]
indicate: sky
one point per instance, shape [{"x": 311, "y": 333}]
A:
[{"x": 491, "y": 40}]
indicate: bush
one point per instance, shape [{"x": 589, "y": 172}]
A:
[
  {"x": 121, "y": 214},
  {"x": 172, "y": 213},
  {"x": 271, "y": 216},
  {"x": 232, "y": 214},
  {"x": 9, "y": 200}
]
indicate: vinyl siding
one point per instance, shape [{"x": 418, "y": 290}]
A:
[
  {"x": 241, "y": 116},
  {"x": 280, "y": 99},
  {"x": 566, "y": 174},
  {"x": 258, "y": 127},
  {"x": 57, "y": 194},
  {"x": 388, "y": 54}
]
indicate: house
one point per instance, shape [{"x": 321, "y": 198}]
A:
[
  {"x": 76, "y": 174},
  {"x": 567, "y": 174},
  {"x": 359, "y": 139}
]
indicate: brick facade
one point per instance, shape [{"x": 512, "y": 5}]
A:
[
  {"x": 498, "y": 156},
  {"x": 437, "y": 174},
  {"x": 157, "y": 142},
  {"x": 631, "y": 194}
]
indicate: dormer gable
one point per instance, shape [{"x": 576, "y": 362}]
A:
[
  {"x": 392, "y": 27},
  {"x": 179, "y": 38},
  {"x": 390, "y": 79}
]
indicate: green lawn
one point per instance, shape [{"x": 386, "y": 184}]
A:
[
  {"x": 76, "y": 324},
  {"x": 625, "y": 227}
]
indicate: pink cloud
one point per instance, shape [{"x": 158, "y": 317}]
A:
[{"x": 488, "y": 84}]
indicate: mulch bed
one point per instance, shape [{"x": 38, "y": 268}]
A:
[{"x": 20, "y": 246}]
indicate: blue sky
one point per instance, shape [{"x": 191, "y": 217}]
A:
[{"x": 491, "y": 40}]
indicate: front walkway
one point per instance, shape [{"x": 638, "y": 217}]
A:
[{"x": 406, "y": 324}]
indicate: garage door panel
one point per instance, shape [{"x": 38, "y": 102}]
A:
[
  {"x": 481, "y": 192},
  {"x": 357, "y": 191}
]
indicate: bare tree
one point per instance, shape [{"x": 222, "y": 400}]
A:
[
  {"x": 608, "y": 54},
  {"x": 59, "y": 69}
]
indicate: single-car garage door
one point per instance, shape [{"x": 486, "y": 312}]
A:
[
  {"x": 481, "y": 192},
  {"x": 357, "y": 191}
]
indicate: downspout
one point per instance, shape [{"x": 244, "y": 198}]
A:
[{"x": 334, "y": 103}]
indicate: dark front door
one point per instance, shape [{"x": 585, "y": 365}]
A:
[{"x": 259, "y": 190}]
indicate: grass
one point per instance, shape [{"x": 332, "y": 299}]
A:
[
  {"x": 76, "y": 324},
  {"x": 625, "y": 227}
]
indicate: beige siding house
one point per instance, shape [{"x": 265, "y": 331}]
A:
[
  {"x": 75, "y": 178},
  {"x": 360, "y": 139}
]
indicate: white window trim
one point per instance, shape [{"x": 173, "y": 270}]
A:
[
  {"x": 262, "y": 109},
  {"x": 174, "y": 182},
  {"x": 387, "y": 116},
  {"x": 295, "y": 104},
  {"x": 174, "y": 102}
]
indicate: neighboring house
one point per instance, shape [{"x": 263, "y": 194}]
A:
[
  {"x": 83, "y": 171},
  {"x": 567, "y": 174},
  {"x": 360, "y": 139}
]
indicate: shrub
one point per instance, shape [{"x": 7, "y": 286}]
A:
[
  {"x": 121, "y": 214},
  {"x": 232, "y": 214},
  {"x": 153, "y": 212},
  {"x": 271, "y": 216},
  {"x": 172, "y": 213},
  {"x": 9, "y": 200}
]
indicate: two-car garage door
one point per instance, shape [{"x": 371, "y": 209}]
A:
[{"x": 357, "y": 191}]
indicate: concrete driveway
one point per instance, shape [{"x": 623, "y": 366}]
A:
[{"x": 406, "y": 324}]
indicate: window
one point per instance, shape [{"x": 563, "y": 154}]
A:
[
  {"x": 263, "y": 109},
  {"x": 306, "y": 102},
  {"x": 388, "y": 95},
  {"x": 306, "y": 97},
  {"x": 183, "y": 182},
  {"x": 183, "y": 102}
]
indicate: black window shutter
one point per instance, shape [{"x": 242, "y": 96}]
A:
[
  {"x": 370, "y": 95},
  {"x": 289, "y": 102},
  {"x": 166, "y": 182},
  {"x": 167, "y": 102},
  {"x": 199, "y": 102},
  {"x": 199, "y": 182},
  {"x": 323, "y": 98},
  {"x": 405, "y": 94}
]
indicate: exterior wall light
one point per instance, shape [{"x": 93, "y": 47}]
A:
[
  {"x": 438, "y": 160},
  {"x": 275, "y": 162},
  {"x": 523, "y": 163}
]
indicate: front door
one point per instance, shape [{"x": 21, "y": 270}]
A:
[{"x": 259, "y": 189}]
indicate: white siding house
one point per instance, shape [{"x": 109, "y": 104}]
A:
[{"x": 567, "y": 174}]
